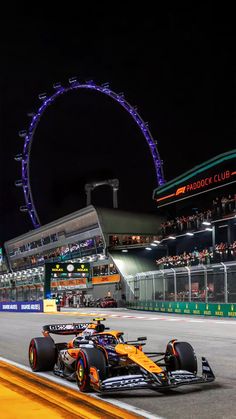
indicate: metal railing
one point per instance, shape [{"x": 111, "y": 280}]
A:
[{"x": 201, "y": 283}]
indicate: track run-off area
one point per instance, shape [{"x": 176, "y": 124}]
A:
[{"x": 214, "y": 338}]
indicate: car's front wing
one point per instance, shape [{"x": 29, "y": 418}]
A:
[{"x": 156, "y": 382}]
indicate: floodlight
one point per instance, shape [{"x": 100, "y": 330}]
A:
[
  {"x": 24, "y": 208},
  {"x": 72, "y": 80},
  {"x": 18, "y": 157},
  {"x": 57, "y": 85},
  {"x": 22, "y": 133},
  {"x": 18, "y": 183},
  {"x": 42, "y": 96},
  {"x": 106, "y": 85}
]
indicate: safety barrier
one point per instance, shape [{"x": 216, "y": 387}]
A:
[
  {"x": 22, "y": 306},
  {"x": 205, "y": 309}
]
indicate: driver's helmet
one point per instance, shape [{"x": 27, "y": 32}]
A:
[
  {"x": 83, "y": 337},
  {"x": 90, "y": 330},
  {"x": 106, "y": 340}
]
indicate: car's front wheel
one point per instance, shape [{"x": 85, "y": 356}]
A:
[
  {"x": 180, "y": 356},
  {"x": 87, "y": 358}
]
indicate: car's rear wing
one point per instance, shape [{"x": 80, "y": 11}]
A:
[{"x": 65, "y": 328}]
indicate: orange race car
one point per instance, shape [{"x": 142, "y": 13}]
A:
[{"x": 102, "y": 361}]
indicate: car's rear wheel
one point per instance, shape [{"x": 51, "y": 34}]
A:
[
  {"x": 180, "y": 356},
  {"x": 42, "y": 354},
  {"x": 87, "y": 358}
]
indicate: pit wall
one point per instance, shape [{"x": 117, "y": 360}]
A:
[{"x": 203, "y": 309}]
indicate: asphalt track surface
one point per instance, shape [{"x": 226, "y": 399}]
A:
[{"x": 213, "y": 338}]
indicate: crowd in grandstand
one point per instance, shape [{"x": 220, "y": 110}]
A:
[
  {"x": 223, "y": 252},
  {"x": 221, "y": 207}
]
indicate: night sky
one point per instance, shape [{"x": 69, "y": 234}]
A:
[{"x": 175, "y": 65}]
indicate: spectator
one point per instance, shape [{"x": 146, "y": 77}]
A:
[{"x": 223, "y": 252}]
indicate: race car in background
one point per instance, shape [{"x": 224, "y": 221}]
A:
[
  {"x": 106, "y": 302},
  {"x": 101, "y": 360}
]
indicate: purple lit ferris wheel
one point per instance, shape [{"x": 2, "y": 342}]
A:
[{"x": 28, "y": 136}]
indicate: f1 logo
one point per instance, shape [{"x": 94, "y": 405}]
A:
[{"x": 180, "y": 190}]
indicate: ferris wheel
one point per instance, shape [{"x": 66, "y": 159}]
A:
[{"x": 28, "y": 136}]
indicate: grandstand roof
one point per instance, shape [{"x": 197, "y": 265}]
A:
[
  {"x": 124, "y": 222},
  {"x": 109, "y": 221}
]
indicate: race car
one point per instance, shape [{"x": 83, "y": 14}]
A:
[
  {"x": 103, "y": 361},
  {"x": 106, "y": 302}
]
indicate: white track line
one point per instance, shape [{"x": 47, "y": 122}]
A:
[
  {"x": 173, "y": 319},
  {"x": 167, "y": 318},
  {"x": 128, "y": 317},
  {"x": 153, "y": 318}
]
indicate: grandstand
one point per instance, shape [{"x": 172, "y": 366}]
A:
[
  {"x": 200, "y": 236},
  {"x": 184, "y": 254},
  {"x": 94, "y": 237},
  {"x": 200, "y": 206}
]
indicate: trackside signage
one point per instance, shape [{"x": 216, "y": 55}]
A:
[
  {"x": 49, "y": 306},
  {"x": 57, "y": 272},
  {"x": 203, "y": 183},
  {"x": 22, "y": 306},
  {"x": 203, "y": 309},
  {"x": 200, "y": 179},
  {"x": 68, "y": 269},
  {"x": 200, "y": 185}
]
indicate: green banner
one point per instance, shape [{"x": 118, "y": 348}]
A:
[{"x": 203, "y": 309}]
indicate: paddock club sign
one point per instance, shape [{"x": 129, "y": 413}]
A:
[{"x": 197, "y": 186}]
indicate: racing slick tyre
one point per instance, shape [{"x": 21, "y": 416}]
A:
[
  {"x": 90, "y": 357},
  {"x": 180, "y": 356},
  {"x": 42, "y": 354}
]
